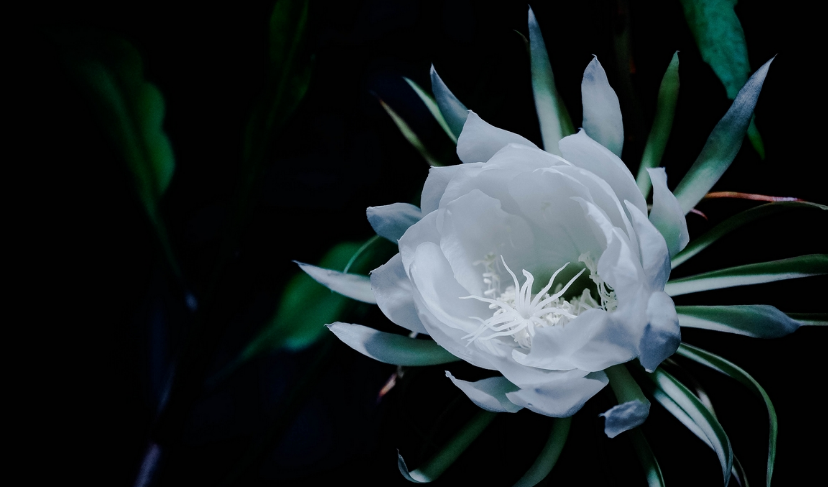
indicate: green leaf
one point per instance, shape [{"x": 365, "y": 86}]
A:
[
  {"x": 131, "y": 112},
  {"x": 548, "y": 456},
  {"x": 390, "y": 348},
  {"x": 288, "y": 79},
  {"x": 722, "y": 145},
  {"x": 410, "y": 136},
  {"x": 776, "y": 270},
  {"x": 721, "y": 42},
  {"x": 647, "y": 458},
  {"x": 662, "y": 123},
  {"x": 305, "y": 307},
  {"x": 554, "y": 120},
  {"x": 706, "y": 425},
  {"x": 725, "y": 367},
  {"x": 442, "y": 460},
  {"x": 736, "y": 222},
  {"x": 432, "y": 107},
  {"x": 758, "y": 321}
]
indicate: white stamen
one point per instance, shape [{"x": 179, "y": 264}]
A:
[{"x": 518, "y": 313}]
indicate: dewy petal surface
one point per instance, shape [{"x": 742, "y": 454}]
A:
[
  {"x": 391, "y": 221},
  {"x": 602, "y": 112},
  {"x": 489, "y": 394},
  {"x": 562, "y": 396},
  {"x": 667, "y": 215},
  {"x": 393, "y": 291},
  {"x": 479, "y": 140},
  {"x": 583, "y": 151}
]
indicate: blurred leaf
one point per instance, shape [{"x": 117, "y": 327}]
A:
[
  {"x": 307, "y": 306},
  {"x": 410, "y": 136},
  {"x": 731, "y": 370},
  {"x": 130, "y": 111},
  {"x": 549, "y": 455},
  {"x": 775, "y": 270},
  {"x": 721, "y": 41},
  {"x": 662, "y": 123},
  {"x": 734, "y": 223},
  {"x": 437, "y": 464}
]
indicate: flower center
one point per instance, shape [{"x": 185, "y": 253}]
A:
[{"x": 519, "y": 314}]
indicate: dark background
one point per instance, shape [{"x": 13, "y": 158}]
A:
[{"x": 102, "y": 320}]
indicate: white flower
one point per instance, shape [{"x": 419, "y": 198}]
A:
[{"x": 543, "y": 268}]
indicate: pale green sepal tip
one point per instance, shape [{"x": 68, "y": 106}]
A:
[
  {"x": 662, "y": 124},
  {"x": 432, "y": 108},
  {"x": 722, "y": 145},
  {"x": 554, "y": 120}
]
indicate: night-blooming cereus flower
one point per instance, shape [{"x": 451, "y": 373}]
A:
[{"x": 544, "y": 268}]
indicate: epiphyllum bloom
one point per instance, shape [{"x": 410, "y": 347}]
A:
[
  {"x": 543, "y": 268},
  {"x": 546, "y": 269}
]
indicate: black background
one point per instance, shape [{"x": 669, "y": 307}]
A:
[{"x": 102, "y": 320}]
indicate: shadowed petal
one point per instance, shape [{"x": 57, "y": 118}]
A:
[
  {"x": 353, "y": 286},
  {"x": 391, "y": 221},
  {"x": 666, "y": 214},
  {"x": 392, "y": 289},
  {"x": 489, "y": 394},
  {"x": 625, "y": 417},
  {"x": 561, "y": 397}
]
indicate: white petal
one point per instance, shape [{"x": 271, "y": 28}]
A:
[
  {"x": 591, "y": 342},
  {"x": 479, "y": 141},
  {"x": 602, "y": 112},
  {"x": 390, "y": 348},
  {"x": 547, "y": 199},
  {"x": 452, "y": 109},
  {"x": 562, "y": 397},
  {"x": 392, "y": 289},
  {"x": 473, "y": 226},
  {"x": 489, "y": 394},
  {"x": 353, "y": 286},
  {"x": 424, "y": 230},
  {"x": 667, "y": 215},
  {"x": 434, "y": 281},
  {"x": 582, "y": 151},
  {"x": 624, "y": 417},
  {"x": 435, "y": 185},
  {"x": 492, "y": 177},
  {"x": 391, "y": 221},
  {"x": 662, "y": 336},
  {"x": 655, "y": 259}
]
